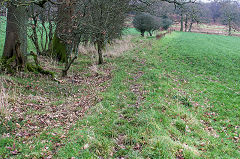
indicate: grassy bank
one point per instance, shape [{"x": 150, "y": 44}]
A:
[{"x": 177, "y": 97}]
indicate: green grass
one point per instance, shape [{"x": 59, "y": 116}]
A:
[
  {"x": 131, "y": 31},
  {"x": 174, "y": 97},
  {"x": 35, "y": 90},
  {"x": 202, "y": 70}
]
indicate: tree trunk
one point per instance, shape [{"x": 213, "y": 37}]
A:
[
  {"x": 35, "y": 36},
  {"x": 214, "y": 20},
  {"x": 181, "y": 29},
  {"x": 16, "y": 31},
  {"x": 190, "y": 27},
  {"x": 64, "y": 20},
  {"x": 150, "y": 33},
  {"x": 64, "y": 73},
  {"x": 50, "y": 34},
  {"x": 70, "y": 60},
  {"x": 186, "y": 23},
  {"x": 229, "y": 28},
  {"x": 16, "y": 37},
  {"x": 59, "y": 49},
  {"x": 100, "y": 55}
]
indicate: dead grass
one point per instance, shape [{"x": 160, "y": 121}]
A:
[
  {"x": 216, "y": 29},
  {"x": 66, "y": 100},
  {"x": 119, "y": 47},
  {"x": 116, "y": 49},
  {"x": 4, "y": 106}
]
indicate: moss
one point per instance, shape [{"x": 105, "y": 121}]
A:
[
  {"x": 11, "y": 60},
  {"x": 38, "y": 69},
  {"x": 35, "y": 58},
  {"x": 58, "y": 49},
  {"x": 6, "y": 65}
]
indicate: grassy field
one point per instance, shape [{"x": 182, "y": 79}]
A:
[
  {"x": 177, "y": 97},
  {"x": 209, "y": 29}
]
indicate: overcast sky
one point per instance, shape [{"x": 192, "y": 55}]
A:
[
  {"x": 205, "y": 0},
  {"x": 212, "y": 0}
]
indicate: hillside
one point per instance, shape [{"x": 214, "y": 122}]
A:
[{"x": 177, "y": 97}]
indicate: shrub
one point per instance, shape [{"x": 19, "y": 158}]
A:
[
  {"x": 165, "y": 22},
  {"x": 145, "y": 22}
]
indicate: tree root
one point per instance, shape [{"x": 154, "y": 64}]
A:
[
  {"x": 38, "y": 69},
  {"x": 7, "y": 66}
]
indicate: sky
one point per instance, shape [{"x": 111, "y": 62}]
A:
[
  {"x": 212, "y": 0},
  {"x": 205, "y": 1}
]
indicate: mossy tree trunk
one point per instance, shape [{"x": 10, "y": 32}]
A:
[
  {"x": 59, "y": 51},
  {"x": 16, "y": 35},
  {"x": 63, "y": 28},
  {"x": 34, "y": 37},
  {"x": 16, "y": 30}
]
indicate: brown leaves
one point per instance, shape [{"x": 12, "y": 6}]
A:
[
  {"x": 179, "y": 154},
  {"x": 13, "y": 150},
  {"x": 86, "y": 146},
  {"x": 18, "y": 125},
  {"x": 35, "y": 114},
  {"x": 211, "y": 131}
]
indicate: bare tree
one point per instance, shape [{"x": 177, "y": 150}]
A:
[
  {"x": 41, "y": 28},
  {"x": 195, "y": 13},
  {"x": 101, "y": 21},
  {"x": 230, "y": 15},
  {"x": 215, "y": 10}
]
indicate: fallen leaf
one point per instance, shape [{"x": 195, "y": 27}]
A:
[
  {"x": 15, "y": 152},
  {"x": 18, "y": 125},
  {"x": 86, "y": 146}
]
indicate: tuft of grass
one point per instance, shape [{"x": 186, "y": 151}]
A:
[
  {"x": 131, "y": 31},
  {"x": 119, "y": 47}
]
